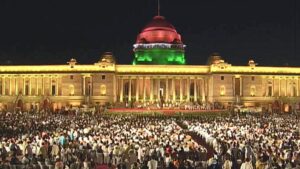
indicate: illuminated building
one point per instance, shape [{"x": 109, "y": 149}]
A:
[{"x": 159, "y": 74}]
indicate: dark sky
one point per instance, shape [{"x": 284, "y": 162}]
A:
[{"x": 53, "y": 31}]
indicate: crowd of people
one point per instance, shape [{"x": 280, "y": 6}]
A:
[
  {"x": 171, "y": 105},
  {"x": 86, "y": 141},
  {"x": 250, "y": 141}
]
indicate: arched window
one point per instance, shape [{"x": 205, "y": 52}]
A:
[
  {"x": 71, "y": 90},
  {"x": 252, "y": 90},
  {"x": 102, "y": 89},
  {"x": 222, "y": 90}
]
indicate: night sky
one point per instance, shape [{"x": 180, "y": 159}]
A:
[{"x": 53, "y": 31}]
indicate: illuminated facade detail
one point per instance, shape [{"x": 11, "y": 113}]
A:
[
  {"x": 222, "y": 90},
  {"x": 159, "y": 44},
  {"x": 103, "y": 89},
  {"x": 71, "y": 90},
  {"x": 293, "y": 89},
  {"x": 252, "y": 90}
]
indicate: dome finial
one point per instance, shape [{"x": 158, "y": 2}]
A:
[{"x": 158, "y": 8}]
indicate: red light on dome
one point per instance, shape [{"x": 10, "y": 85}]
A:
[{"x": 159, "y": 31}]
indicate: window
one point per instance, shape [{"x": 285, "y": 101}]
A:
[
  {"x": 53, "y": 92},
  {"x": 222, "y": 77},
  {"x": 103, "y": 89},
  {"x": 270, "y": 89},
  {"x": 252, "y": 78},
  {"x": 71, "y": 77},
  {"x": 71, "y": 90},
  {"x": 103, "y": 77},
  {"x": 252, "y": 90},
  {"x": 222, "y": 90},
  {"x": 26, "y": 88},
  {"x": 237, "y": 87},
  {"x": 89, "y": 92},
  {"x": 53, "y": 88}
]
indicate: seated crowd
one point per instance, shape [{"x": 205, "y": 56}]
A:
[
  {"x": 250, "y": 141},
  {"x": 85, "y": 141}
]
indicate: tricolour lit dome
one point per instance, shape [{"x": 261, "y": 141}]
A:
[
  {"x": 159, "y": 44},
  {"x": 159, "y": 30}
]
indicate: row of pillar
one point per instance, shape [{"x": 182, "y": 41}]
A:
[
  {"x": 139, "y": 80},
  {"x": 30, "y": 82}
]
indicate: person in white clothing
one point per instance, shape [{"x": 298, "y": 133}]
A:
[
  {"x": 152, "y": 164},
  {"x": 247, "y": 164}
]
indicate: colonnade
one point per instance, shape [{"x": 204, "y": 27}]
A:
[
  {"x": 161, "y": 88},
  {"x": 29, "y": 85}
]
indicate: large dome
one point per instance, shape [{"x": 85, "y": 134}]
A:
[{"x": 159, "y": 30}]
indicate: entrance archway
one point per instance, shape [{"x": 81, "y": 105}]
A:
[
  {"x": 46, "y": 104},
  {"x": 20, "y": 104}
]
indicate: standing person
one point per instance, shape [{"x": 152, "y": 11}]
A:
[
  {"x": 247, "y": 164},
  {"x": 54, "y": 150},
  {"x": 228, "y": 163},
  {"x": 152, "y": 164}
]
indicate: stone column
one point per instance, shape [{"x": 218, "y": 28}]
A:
[
  {"x": 167, "y": 89},
  {"x": 158, "y": 89},
  {"x": 121, "y": 90},
  {"x": 129, "y": 88},
  {"x": 144, "y": 89},
  {"x": 279, "y": 85},
  {"x": 50, "y": 86},
  {"x": 3, "y": 86},
  {"x": 92, "y": 85},
  {"x": 24, "y": 81},
  {"x": 30, "y": 85},
  {"x": 10, "y": 86},
  {"x": 286, "y": 86},
  {"x": 115, "y": 88},
  {"x": 43, "y": 85},
  {"x": 16, "y": 86},
  {"x": 180, "y": 90},
  {"x": 202, "y": 90},
  {"x": 56, "y": 87},
  {"x": 151, "y": 89},
  {"x": 241, "y": 86},
  {"x": 37, "y": 86},
  {"x": 273, "y": 86},
  {"x": 188, "y": 89},
  {"x": 137, "y": 89},
  {"x": 210, "y": 90},
  {"x": 83, "y": 85},
  {"x": 195, "y": 90},
  {"x": 297, "y": 87},
  {"x": 173, "y": 90}
]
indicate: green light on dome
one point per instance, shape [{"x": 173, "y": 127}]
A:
[{"x": 159, "y": 56}]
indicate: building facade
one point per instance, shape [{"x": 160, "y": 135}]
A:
[{"x": 148, "y": 79}]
